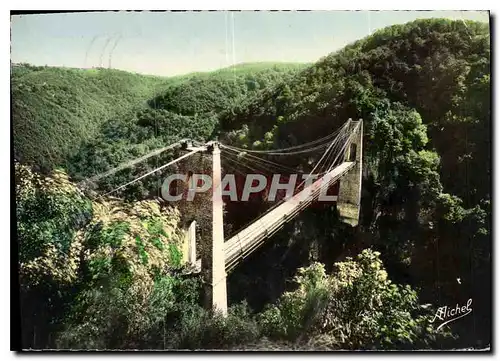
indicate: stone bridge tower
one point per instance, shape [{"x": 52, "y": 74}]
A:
[
  {"x": 349, "y": 197},
  {"x": 213, "y": 266}
]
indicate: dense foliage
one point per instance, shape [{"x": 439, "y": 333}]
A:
[{"x": 73, "y": 252}]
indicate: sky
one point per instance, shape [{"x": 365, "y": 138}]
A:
[{"x": 174, "y": 43}]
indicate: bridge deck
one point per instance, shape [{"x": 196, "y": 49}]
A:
[
  {"x": 245, "y": 242},
  {"x": 249, "y": 239}
]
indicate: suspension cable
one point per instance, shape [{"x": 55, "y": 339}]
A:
[
  {"x": 153, "y": 171},
  {"x": 244, "y": 163},
  {"x": 128, "y": 164},
  {"x": 325, "y": 140},
  {"x": 324, "y": 154},
  {"x": 348, "y": 142},
  {"x": 263, "y": 161}
]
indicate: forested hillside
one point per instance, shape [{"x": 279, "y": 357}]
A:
[
  {"x": 56, "y": 110},
  {"x": 423, "y": 91},
  {"x": 223, "y": 89}
]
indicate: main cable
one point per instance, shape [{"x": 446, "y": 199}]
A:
[
  {"x": 324, "y": 154},
  {"x": 265, "y": 162},
  {"x": 325, "y": 140},
  {"x": 153, "y": 171},
  {"x": 130, "y": 163}
]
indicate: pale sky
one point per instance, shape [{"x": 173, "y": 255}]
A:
[{"x": 172, "y": 43}]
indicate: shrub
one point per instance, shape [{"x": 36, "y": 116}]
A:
[
  {"x": 203, "y": 329},
  {"x": 50, "y": 214},
  {"x": 357, "y": 307}
]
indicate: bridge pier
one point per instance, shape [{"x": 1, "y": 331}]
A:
[
  {"x": 213, "y": 261},
  {"x": 192, "y": 243},
  {"x": 349, "y": 197}
]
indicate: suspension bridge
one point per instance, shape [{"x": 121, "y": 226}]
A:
[{"x": 340, "y": 163}]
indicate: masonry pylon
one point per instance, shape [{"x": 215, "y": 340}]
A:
[
  {"x": 214, "y": 267},
  {"x": 349, "y": 198}
]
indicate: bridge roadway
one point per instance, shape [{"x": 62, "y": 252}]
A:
[{"x": 249, "y": 239}]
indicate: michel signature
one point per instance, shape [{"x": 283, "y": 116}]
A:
[{"x": 448, "y": 314}]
